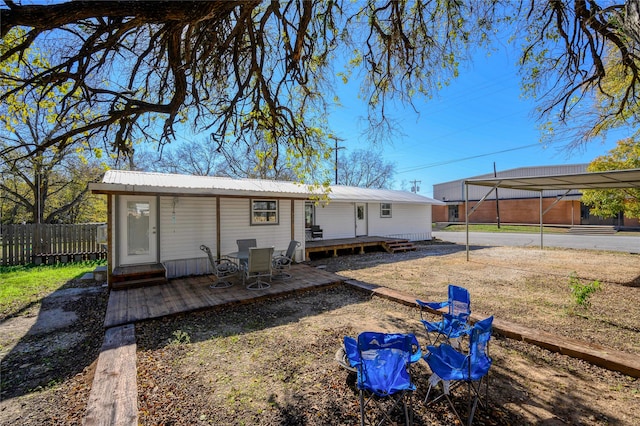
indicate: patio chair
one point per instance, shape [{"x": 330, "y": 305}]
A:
[
  {"x": 453, "y": 324},
  {"x": 243, "y": 247},
  {"x": 222, "y": 269},
  {"x": 316, "y": 232},
  {"x": 259, "y": 266},
  {"x": 454, "y": 368},
  {"x": 382, "y": 362},
  {"x": 283, "y": 262}
]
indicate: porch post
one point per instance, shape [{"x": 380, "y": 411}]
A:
[
  {"x": 110, "y": 244},
  {"x": 293, "y": 220},
  {"x": 218, "y": 227}
]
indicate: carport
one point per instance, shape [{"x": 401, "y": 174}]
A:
[{"x": 613, "y": 179}]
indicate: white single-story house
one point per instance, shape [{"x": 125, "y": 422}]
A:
[{"x": 156, "y": 218}]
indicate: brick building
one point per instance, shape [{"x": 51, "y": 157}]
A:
[{"x": 518, "y": 206}]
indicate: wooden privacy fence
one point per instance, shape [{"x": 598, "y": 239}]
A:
[{"x": 50, "y": 243}]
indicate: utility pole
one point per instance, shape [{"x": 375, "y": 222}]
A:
[
  {"x": 336, "y": 139},
  {"x": 414, "y": 186},
  {"x": 497, "y": 198}
]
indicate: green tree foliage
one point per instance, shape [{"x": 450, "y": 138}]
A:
[
  {"x": 613, "y": 110},
  {"x": 42, "y": 185},
  {"x": 610, "y": 202}
]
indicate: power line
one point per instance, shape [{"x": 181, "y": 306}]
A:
[{"x": 442, "y": 163}]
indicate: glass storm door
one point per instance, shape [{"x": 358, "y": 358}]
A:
[
  {"x": 361, "y": 220},
  {"x": 138, "y": 242}
]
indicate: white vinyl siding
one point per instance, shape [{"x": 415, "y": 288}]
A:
[
  {"x": 185, "y": 224},
  {"x": 235, "y": 218},
  {"x": 410, "y": 221},
  {"x": 337, "y": 220}
]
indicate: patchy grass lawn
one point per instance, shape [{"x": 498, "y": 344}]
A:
[
  {"x": 23, "y": 286},
  {"x": 527, "y": 229}
]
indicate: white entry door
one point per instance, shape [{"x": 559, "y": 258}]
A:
[
  {"x": 138, "y": 239},
  {"x": 361, "y": 220}
]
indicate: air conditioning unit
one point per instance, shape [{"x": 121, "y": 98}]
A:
[{"x": 101, "y": 234}]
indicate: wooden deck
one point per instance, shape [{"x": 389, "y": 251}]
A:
[
  {"x": 193, "y": 293},
  {"x": 352, "y": 245}
]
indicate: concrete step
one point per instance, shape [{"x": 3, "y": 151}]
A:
[{"x": 592, "y": 230}]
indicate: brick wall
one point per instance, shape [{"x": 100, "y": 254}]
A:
[{"x": 516, "y": 211}]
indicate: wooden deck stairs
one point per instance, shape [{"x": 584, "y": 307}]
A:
[
  {"x": 138, "y": 276},
  {"x": 396, "y": 246}
]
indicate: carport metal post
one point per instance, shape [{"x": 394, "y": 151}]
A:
[
  {"x": 466, "y": 214},
  {"x": 541, "y": 227}
]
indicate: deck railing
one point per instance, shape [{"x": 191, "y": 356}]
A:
[{"x": 50, "y": 243}]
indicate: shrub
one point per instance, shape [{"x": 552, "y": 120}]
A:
[{"x": 580, "y": 292}]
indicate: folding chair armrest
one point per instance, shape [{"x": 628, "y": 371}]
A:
[
  {"x": 433, "y": 327},
  {"x": 432, "y": 305},
  {"x": 415, "y": 357},
  {"x": 351, "y": 349}
]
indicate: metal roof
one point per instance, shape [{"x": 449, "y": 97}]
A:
[
  {"x": 353, "y": 193},
  {"x": 130, "y": 182},
  {"x": 593, "y": 180}
]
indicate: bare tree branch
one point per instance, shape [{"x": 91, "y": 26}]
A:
[{"x": 239, "y": 69}]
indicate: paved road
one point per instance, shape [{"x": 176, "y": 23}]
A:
[{"x": 629, "y": 244}]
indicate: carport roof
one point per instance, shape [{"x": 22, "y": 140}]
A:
[{"x": 593, "y": 180}]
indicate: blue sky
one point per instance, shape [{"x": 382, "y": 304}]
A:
[{"x": 481, "y": 114}]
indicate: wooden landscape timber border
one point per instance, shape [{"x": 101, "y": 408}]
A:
[{"x": 113, "y": 400}]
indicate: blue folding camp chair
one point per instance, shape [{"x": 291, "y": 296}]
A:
[
  {"x": 382, "y": 364},
  {"x": 453, "y": 324},
  {"x": 454, "y": 368}
]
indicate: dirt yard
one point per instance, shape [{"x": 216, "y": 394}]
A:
[{"x": 272, "y": 363}]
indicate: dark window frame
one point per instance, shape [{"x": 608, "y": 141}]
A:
[{"x": 254, "y": 210}]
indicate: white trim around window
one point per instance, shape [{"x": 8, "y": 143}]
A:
[{"x": 385, "y": 209}]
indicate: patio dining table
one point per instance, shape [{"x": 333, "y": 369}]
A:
[{"x": 242, "y": 257}]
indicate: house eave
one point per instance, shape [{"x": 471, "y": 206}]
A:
[{"x": 109, "y": 188}]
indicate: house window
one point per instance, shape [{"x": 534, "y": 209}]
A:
[
  {"x": 264, "y": 212},
  {"x": 385, "y": 210}
]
